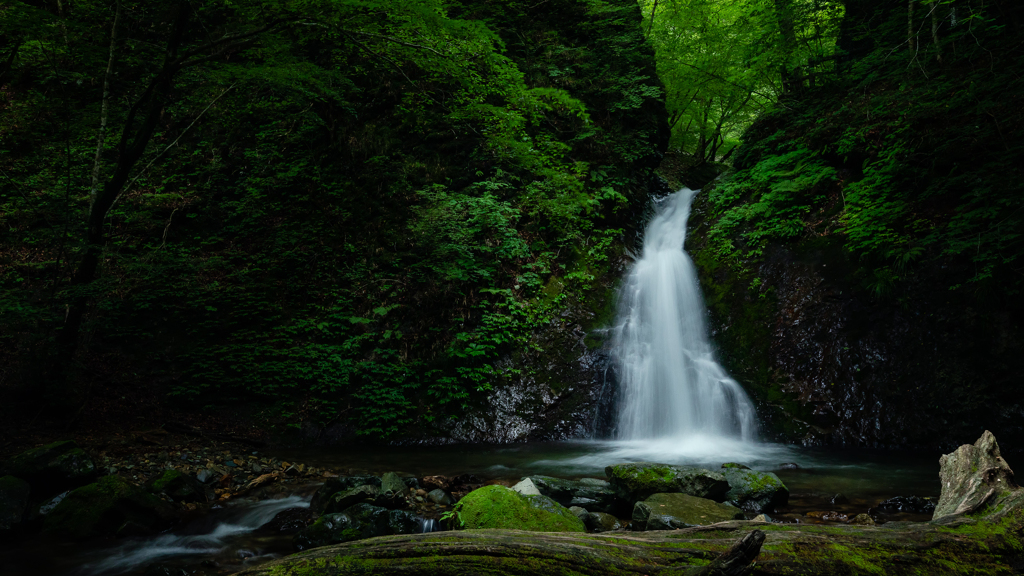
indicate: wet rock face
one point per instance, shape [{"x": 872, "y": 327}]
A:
[
  {"x": 828, "y": 361},
  {"x": 755, "y": 491},
  {"x": 590, "y": 494},
  {"x": 972, "y": 477}
]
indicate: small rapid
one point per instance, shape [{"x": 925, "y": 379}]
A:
[
  {"x": 671, "y": 386},
  {"x": 227, "y": 534}
]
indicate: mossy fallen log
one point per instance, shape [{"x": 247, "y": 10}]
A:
[{"x": 953, "y": 545}]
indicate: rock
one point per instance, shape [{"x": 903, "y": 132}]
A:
[
  {"x": 589, "y": 493},
  {"x": 440, "y": 497},
  {"x": 288, "y": 521},
  {"x": 392, "y": 486},
  {"x": 839, "y": 499},
  {"x": 762, "y": 518},
  {"x": 640, "y": 480},
  {"x": 828, "y": 516},
  {"x": 50, "y": 504},
  {"x": 341, "y": 501},
  {"x": 103, "y": 508},
  {"x": 338, "y": 484},
  {"x": 972, "y": 476},
  {"x": 580, "y": 513},
  {"x": 177, "y": 486},
  {"x": 526, "y": 487},
  {"x": 500, "y": 507},
  {"x": 789, "y": 466},
  {"x": 358, "y": 522},
  {"x": 678, "y": 510},
  {"x": 862, "y": 520},
  {"x": 13, "y": 501},
  {"x": 601, "y": 522},
  {"x": 755, "y": 491},
  {"x": 432, "y": 482},
  {"x": 735, "y": 465},
  {"x": 52, "y": 468},
  {"x": 911, "y": 504}
]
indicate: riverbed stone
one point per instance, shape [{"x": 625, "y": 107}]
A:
[
  {"x": 440, "y": 497},
  {"x": 392, "y": 486},
  {"x": 972, "y": 477},
  {"x": 52, "y": 468},
  {"x": 678, "y": 510},
  {"x": 862, "y": 520},
  {"x": 601, "y": 522},
  {"x": 341, "y": 501},
  {"x": 178, "y": 486},
  {"x": 337, "y": 484},
  {"x": 500, "y": 507},
  {"x": 754, "y": 491},
  {"x": 593, "y": 494},
  {"x": 638, "y": 481},
  {"x": 104, "y": 507},
  {"x": 13, "y": 501},
  {"x": 526, "y": 487}
]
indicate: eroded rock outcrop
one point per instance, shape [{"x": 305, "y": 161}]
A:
[{"x": 973, "y": 477}]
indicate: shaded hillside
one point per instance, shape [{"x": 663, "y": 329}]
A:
[{"x": 863, "y": 261}]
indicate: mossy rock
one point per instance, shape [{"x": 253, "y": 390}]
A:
[
  {"x": 103, "y": 508},
  {"x": 500, "y": 507},
  {"x": 13, "y": 501},
  {"x": 52, "y": 468},
  {"x": 341, "y": 501},
  {"x": 338, "y": 484},
  {"x": 356, "y": 523},
  {"x": 592, "y": 494},
  {"x": 640, "y": 480},
  {"x": 672, "y": 511},
  {"x": 755, "y": 491},
  {"x": 180, "y": 487}
]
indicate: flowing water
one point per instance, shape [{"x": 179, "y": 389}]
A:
[{"x": 671, "y": 386}]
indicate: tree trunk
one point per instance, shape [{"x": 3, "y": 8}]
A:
[
  {"x": 952, "y": 545},
  {"x": 935, "y": 32},
  {"x": 910, "y": 24}
]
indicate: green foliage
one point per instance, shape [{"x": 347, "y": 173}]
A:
[{"x": 348, "y": 219}]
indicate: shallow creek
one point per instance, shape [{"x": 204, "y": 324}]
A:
[{"x": 230, "y": 539}]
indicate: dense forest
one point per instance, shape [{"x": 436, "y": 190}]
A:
[{"x": 407, "y": 221}]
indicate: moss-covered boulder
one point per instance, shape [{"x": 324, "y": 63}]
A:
[
  {"x": 639, "y": 480},
  {"x": 755, "y": 491},
  {"x": 13, "y": 501},
  {"x": 177, "y": 486},
  {"x": 591, "y": 494},
  {"x": 356, "y": 523},
  {"x": 677, "y": 510},
  {"x": 500, "y": 507},
  {"x": 104, "y": 508},
  {"x": 52, "y": 468}
]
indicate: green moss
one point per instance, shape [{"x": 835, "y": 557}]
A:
[
  {"x": 500, "y": 507},
  {"x": 101, "y": 508},
  {"x": 161, "y": 482}
]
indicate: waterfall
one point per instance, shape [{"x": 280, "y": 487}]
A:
[{"x": 671, "y": 385}]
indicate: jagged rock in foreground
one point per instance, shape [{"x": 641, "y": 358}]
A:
[
  {"x": 988, "y": 541},
  {"x": 975, "y": 476}
]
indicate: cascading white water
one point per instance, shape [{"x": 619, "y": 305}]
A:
[{"x": 671, "y": 386}]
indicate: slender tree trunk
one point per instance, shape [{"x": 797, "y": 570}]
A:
[
  {"x": 104, "y": 108},
  {"x": 653, "y": 10},
  {"x": 910, "y": 24},
  {"x": 786, "y": 19},
  {"x": 935, "y": 32}
]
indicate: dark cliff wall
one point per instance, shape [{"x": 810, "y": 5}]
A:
[{"x": 862, "y": 262}]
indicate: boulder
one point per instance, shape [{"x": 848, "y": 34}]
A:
[
  {"x": 753, "y": 491},
  {"x": 52, "y": 468},
  {"x": 179, "y": 487},
  {"x": 341, "y": 501},
  {"x": 392, "y": 485},
  {"x": 862, "y": 520},
  {"x": 972, "y": 477},
  {"x": 589, "y": 493},
  {"x": 526, "y": 487},
  {"x": 736, "y": 465},
  {"x": 678, "y": 510},
  {"x": 911, "y": 504},
  {"x": 440, "y": 497},
  {"x": 104, "y": 508},
  {"x": 601, "y": 522},
  {"x": 356, "y": 523},
  {"x": 13, "y": 501},
  {"x": 500, "y": 507},
  {"x": 338, "y": 484},
  {"x": 640, "y": 480}
]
